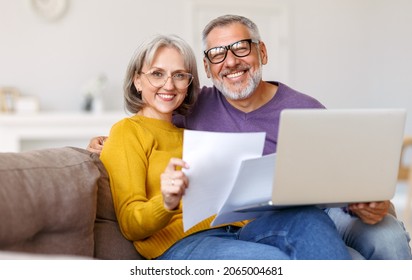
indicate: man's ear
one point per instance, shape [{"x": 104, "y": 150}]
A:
[
  {"x": 207, "y": 69},
  {"x": 263, "y": 53}
]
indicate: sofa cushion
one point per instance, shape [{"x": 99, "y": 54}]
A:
[
  {"x": 109, "y": 241},
  {"x": 48, "y": 201}
]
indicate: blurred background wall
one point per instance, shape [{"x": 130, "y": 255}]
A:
[{"x": 346, "y": 53}]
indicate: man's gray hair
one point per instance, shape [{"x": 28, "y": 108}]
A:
[{"x": 227, "y": 20}]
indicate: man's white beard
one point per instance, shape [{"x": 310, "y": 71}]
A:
[{"x": 241, "y": 92}]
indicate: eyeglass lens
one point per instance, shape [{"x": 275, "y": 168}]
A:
[
  {"x": 159, "y": 78},
  {"x": 240, "y": 48}
]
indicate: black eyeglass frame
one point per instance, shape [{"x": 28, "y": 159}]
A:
[{"x": 229, "y": 48}]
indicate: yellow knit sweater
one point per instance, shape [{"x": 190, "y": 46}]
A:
[{"x": 135, "y": 154}]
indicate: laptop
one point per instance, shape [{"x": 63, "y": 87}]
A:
[{"x": 333, "y": 157}]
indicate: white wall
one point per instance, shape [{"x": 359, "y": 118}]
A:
[
  {"x": 354, "y": 53},
  {"x": 346, "y": 53}
]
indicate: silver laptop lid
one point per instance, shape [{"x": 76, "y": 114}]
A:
[{"x": 337, "y": 155}]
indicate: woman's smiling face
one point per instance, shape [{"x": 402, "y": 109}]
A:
[{"x": 162, "y": 101}]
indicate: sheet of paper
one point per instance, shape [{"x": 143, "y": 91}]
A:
[
  {"x": 253, "y": 185},
  {"x": 214, "y": 159}
]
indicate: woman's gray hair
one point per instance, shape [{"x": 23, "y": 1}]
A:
[
  {"x": 145, "y": 54},
  {"x": 227, "y": 20}
]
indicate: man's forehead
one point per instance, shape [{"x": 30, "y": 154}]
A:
[{"x": 225, "y": 35}]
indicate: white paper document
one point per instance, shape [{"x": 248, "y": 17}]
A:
[
  {"x": 253, "y": 186},
  {"x": 215, "y": 159}
]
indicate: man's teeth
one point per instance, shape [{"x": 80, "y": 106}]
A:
[{"x": 234, "y": 75}]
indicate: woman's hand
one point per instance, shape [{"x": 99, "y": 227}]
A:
[{"x": 173, "y": 183}]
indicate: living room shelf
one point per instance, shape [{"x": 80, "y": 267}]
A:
[{"x": 22, "y": 132}]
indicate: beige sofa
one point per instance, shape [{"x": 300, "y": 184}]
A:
[{"x": 57, "y": 203}]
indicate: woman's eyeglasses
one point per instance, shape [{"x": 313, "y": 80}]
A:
[{"x": 158, "y": 78}]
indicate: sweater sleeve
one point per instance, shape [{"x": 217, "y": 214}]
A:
[{"x": 125, "y": 156}]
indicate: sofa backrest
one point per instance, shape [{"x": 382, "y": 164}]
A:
[{"x": 110, "y": 243}]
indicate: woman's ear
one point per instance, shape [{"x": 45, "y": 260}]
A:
[{"x": 137, "y": 82}]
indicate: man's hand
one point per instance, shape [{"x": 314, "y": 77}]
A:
[
  {"x": 370, "y": 212},
  {"x": 96, "y": 144}
]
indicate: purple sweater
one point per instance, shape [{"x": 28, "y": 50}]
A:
[{"x": 212, "y": 112}]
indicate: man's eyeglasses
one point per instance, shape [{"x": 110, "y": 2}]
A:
[
  {"x": 158, "y": 78},
  {"x": 240, "y": 48}
]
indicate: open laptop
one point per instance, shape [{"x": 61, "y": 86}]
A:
[{"x": 334, "y": 157}]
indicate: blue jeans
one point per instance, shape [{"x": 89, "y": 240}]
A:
[
  {"x": 386, "y": 240},
  {"x": 296, "y": 233}
]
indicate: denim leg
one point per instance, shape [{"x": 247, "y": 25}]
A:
[
  {"x": 220, "y": 244},
  {"x": 386, "y": 240},
  {"x": 355, "y": 254},
  {"x": 302, "y": 233}
]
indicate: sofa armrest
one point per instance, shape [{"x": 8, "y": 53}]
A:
[{"x": 48, "y": 201}]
